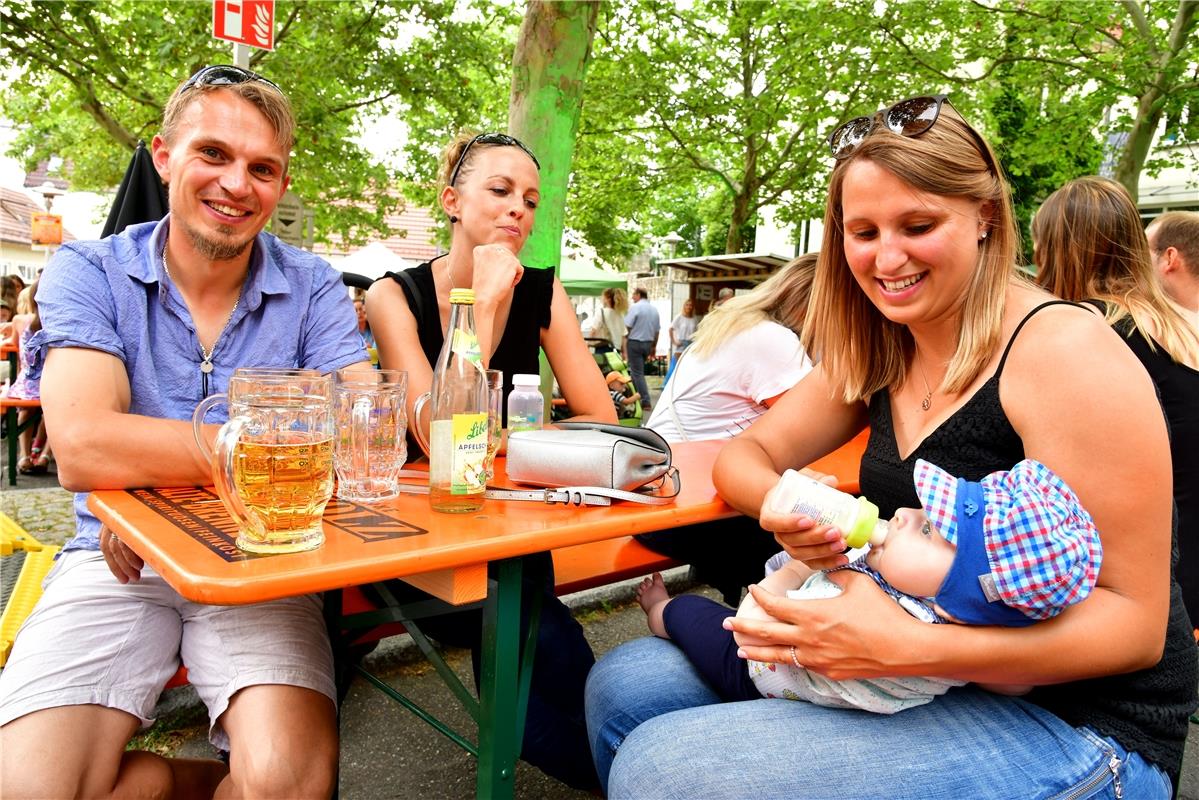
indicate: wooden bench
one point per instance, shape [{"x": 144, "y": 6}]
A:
[{"x": 576, "y": 568}]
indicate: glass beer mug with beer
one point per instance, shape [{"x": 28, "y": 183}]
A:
[{"x": 272, "y": 463}]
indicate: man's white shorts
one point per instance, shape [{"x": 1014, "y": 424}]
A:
[{"x": 92, "y": 641}]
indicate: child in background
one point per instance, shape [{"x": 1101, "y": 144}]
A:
[
  {"x": 35, "y": 448},
  {"x": 1012, "y": 549},
  {"x": 623, "y": 395}
]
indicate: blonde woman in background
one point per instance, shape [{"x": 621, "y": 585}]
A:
[
  {"x": 745, "y": 355},
  {"x": 610, "y": 326},
  {"x": 1089, "y": 246}
]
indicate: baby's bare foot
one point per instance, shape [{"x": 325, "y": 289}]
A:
[{"x": 653, "y": 597}]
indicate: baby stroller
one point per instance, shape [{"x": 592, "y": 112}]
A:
[
  {"x": 620, "y": 386},
  {"x": 628, "y": 409}
]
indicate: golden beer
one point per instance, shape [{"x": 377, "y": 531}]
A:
[{"x": 284, "y": 487}]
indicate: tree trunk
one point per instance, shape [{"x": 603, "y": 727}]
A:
[
  {"x": 548, "y": 68},
  {"x": 1136, "y": 147}
]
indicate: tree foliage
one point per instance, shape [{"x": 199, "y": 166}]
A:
[
  {"x": 696, "y": 115},
  {"x": 1082, "y": 75},
  {"x": 720, "y": 95}
]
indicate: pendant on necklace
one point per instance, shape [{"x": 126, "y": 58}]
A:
[
  {"x": 206, "y": 366},
  {"x": 927, "y": 402}
]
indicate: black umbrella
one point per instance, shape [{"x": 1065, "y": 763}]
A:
[{"x": 141, "y": 196}]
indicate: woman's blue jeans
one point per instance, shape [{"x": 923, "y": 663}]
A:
[{"x": 657, "y": 730}]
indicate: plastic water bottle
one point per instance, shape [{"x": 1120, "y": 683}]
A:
[
  {"x": 856, "y": 517},
  {"x": 526, "y": 406},
  {"x": 458, "y": 430}
]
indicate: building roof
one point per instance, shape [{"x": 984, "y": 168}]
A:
[
  {"x": 413, "y": 236},
  {"x": 16, "y": 208},
  {"x": 745, "y": 267}
]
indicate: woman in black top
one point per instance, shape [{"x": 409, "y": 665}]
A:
[
  {"x": 490, "y": 190},
  {"x": 926, "y": 330},
  {"x": 1089, "y": 245}
]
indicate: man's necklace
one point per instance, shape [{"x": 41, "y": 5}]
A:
[{"x": 205, "y": 354}]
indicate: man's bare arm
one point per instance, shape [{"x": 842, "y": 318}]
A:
[{"x": 98, "y": 444}]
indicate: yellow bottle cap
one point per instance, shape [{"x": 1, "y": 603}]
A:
[
  {"x": 462, "y": 297},
  {"x": 863, "y": 525}
]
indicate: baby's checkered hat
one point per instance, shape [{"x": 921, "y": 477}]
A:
[{"x": 1026, "y": 548}]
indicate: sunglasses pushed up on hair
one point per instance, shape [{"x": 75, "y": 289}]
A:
[
  {"x": 226, "y": 75},
  {"x": 910, "y": 117},
  {"x": 502, "y": 139}
]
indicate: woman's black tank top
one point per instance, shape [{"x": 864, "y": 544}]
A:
[
  {"x": 1145, "y": 711},
  {"x": 517, "y": 350}
]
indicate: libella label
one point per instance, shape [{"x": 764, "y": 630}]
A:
[{"x": 467, "y": 475}]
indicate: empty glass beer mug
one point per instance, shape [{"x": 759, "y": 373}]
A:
[
  {"x": 272, "y": 463},
  {"x": 372, "y": 422}
]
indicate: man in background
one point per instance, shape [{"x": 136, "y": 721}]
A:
[
  {"x": 1174, "y": 241},
  {"x": 644, "y": 325}
]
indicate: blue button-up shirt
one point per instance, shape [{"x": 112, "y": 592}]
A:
[
  {"x": 112, "y": 295},
  {"x": 643, "y": 321}
]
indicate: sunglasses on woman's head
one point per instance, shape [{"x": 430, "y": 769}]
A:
[
  {"x": 910, "y": 117},
  {"x": 501, "y": 139},
  {"x": 226, "y": 75}
]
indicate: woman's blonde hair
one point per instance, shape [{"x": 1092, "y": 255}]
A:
[
  {"x": 617, "y": 299},
  {"x": 781, "y": 298},
  {"x": 863, "y": 351},
  {"x": 453, "y": 152},
  {"x": 1089, "y": 244}
]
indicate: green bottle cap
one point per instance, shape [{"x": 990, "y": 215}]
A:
[{"x": 462, "y": 297}]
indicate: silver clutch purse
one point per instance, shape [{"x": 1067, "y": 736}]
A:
[{"x": 590, "y": 455}]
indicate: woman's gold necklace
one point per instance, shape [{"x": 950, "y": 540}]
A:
[{"x": 927, "y": 402}]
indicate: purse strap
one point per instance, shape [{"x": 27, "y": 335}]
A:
[
  {"x": 674, "y": 415},
  {"x": 570, "y": 495}
]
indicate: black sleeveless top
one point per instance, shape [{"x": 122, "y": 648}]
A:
[
  {"x": 1178, "y": 390},
  {"x": 516, "y": 353},
  {"x": 1145, "y": 711}
]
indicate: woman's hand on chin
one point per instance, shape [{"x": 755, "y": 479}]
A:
[
  {"x": 496, "y": 271},
  {"x": 860, "y": 634}
]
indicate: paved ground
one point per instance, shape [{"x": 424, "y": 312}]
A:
[{"x": 386, "y": 752}]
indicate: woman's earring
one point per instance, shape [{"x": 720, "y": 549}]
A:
[
  {"x": 453, "y": 219},
  {"x": 982, "y": 236}
]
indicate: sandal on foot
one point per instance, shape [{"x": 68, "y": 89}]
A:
[
  {"x": 25, "y": 465},
  {"x": 40, "y": 465}
]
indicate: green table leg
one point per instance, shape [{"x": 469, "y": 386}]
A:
[{"x": 506, "y": 669}]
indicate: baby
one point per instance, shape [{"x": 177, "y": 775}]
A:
[{"x": 1012, "y": 549}]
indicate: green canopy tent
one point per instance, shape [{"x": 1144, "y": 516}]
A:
[{"x": 581, "y": 279}]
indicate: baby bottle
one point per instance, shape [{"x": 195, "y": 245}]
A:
[
  {"x": 856, "y": 517},
  {"x": 526, "y": 406}
]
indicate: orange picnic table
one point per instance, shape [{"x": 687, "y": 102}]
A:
[{"x": 187, "y": 537}]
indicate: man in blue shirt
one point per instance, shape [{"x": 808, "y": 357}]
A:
[
  {"x": 137, "y": 328},
  {"x": 644, "y": 325}
]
